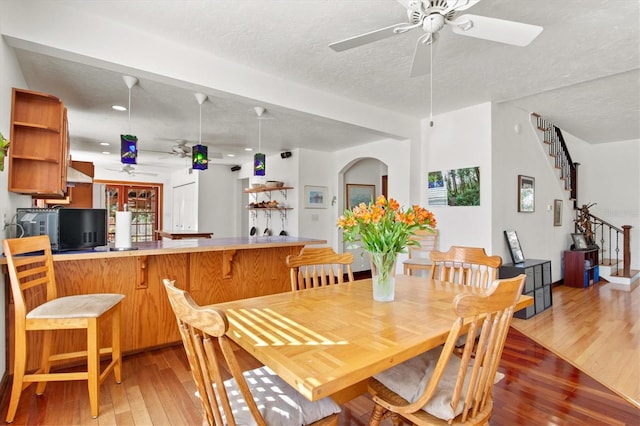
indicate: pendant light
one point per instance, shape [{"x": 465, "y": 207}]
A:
[
  {"x": 128, "y": 142},
  {"x": 199, "y": 157},
  {"x": 259, "y": 159}
]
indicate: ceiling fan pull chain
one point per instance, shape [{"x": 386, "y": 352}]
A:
[{"x": 431, "y": 83}]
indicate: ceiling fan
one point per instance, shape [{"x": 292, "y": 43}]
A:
[
  {"x": 131, "y": 171},
  {"x": 182, "y": 150},
  {"x": 432, "y": 16}
]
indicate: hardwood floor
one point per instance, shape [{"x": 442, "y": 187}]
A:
[
  {"x": 539, "y": 387},
  {"x": 596, "y": 329}
]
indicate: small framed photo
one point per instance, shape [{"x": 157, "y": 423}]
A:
[
  {"x": 514, "y": 246},
  {"x": 315, "y": 197},
  {"x": 579, "y": 242},
  {"x": 557, "y": 212},
  {"x": 526, "y": 194},
  {"x": 357, "y": 194}
]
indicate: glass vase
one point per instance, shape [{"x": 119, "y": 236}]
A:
[{"x": 383, "y": 275}]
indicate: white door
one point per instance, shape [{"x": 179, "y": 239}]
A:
[{"x": 185, "y": 210}]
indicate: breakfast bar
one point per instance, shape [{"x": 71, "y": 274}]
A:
[{"x": 213, "y": 270}]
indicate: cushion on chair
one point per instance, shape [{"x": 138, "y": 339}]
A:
[
  {"x": 82, "y": 306},
  {"x": 410, "y": 378},
  {"x": 279, "y": 403}
]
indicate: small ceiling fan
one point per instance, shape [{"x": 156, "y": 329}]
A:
[
  {"x": 432, "y": 16},
  {"x": 182, "y": 150},
  {"x": 131, "y": 171}
]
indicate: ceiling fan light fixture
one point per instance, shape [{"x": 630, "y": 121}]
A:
[{"x": 433, "y": 23}]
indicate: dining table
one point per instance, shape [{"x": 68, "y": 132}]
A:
[{"x": 328, "y": 341}]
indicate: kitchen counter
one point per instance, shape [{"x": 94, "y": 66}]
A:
[{"x": 213, "y": 270}]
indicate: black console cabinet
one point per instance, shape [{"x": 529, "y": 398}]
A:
[{"x": 536, "y": 285}]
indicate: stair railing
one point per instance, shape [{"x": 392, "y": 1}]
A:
[
  {"x": 617, "y": 240},
  {"x": 562, "y": 159}
]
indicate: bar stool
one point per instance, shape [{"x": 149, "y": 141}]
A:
[{"x": 35, "y": 271}]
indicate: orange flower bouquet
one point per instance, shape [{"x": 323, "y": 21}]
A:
[{"x": 384, "y": 230}]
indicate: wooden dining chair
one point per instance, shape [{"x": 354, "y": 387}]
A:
[
  {"x": 465, "y": 265},
  {"x": 38, "y": 307},
  {"x": 258, "y": 396},
  {"x": 440, "y": 388},
  {"x": 419, "y": 259},
  {"x": 319, "y": 266}
]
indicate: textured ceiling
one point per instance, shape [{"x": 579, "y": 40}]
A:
[{"x": 582, "y": 72}]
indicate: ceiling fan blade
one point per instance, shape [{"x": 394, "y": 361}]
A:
[
  {"x": 500, "y": 30},
  {"x": 422, "y": 55},
  {"x": 366, "y": 38}
]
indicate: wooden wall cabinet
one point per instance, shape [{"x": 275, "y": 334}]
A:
[
  {"x": 39, "y": 151},
  {"x": 581, "y": 268},
  {"x": 536, "y": 285}
]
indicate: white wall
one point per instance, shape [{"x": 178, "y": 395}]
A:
[
  {"x": 524, "y": 153},
  {"x": 395, "y": 157},
  {"x": 10, "y": 76},
  {"x": 315, "y": 170},
  {"x": 461, "y": 139}
]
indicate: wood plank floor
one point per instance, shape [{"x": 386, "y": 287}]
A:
[
  {"x": 596, "y": 329},
  {"x": 539, "y": 388}
]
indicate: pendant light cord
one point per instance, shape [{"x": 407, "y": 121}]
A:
[
  {"x": 129, "y": 110},
  {"x": 200, "y": 136},
  {"x": 259, "y": 134}
]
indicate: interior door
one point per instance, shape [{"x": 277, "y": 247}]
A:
[{"x": 185, "y": 210}]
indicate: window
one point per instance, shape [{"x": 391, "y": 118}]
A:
[{"x": 144, "y": 203}]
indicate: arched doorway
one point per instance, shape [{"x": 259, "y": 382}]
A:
[{"x": 357, "y": 178}]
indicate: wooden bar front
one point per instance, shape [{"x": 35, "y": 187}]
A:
[{"x": 212, "y": 270}]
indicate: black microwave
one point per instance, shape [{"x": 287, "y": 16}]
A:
[{"x": 67, "y": 228}]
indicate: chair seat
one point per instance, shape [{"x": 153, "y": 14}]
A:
[
  {"x": 410, "y": 378},
  {"x": 279, "y": 403},
  {"x": 81, "y": 306}
]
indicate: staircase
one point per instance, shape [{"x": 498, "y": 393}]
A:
[{"x": 614, "y": 241}]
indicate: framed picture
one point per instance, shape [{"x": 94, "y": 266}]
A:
[
  {"x": 526, "y": 194},
  {"x": 357, "y": 194},
  {"x": 557, "y": 212},
  {"x": 315, "y": 197},
  {"x": 514, "y": 246},
  {"x": 579, "y": 242}
]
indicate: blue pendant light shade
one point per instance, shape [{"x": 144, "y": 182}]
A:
[
  {"x": 259, "y": 159},
  {"x": 129, "y": 143},
  {"x": 199, "y": 156},
  {"x": 128, "y": 149}
]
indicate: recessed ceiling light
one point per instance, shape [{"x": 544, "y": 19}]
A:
[
  {"x": 119, "y": 108},
  {"x": 248, "y": 149},
  {"x": 104, "y": 143},
  {"x": 231, "y": 155},
  {"x": 106, "y": 152}
]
